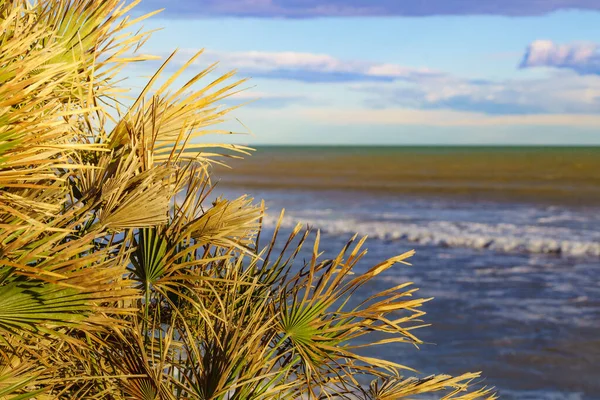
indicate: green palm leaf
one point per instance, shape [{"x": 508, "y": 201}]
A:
[
  {"x": 149, "y": 256},
  {"x": 31, "y": 307}
]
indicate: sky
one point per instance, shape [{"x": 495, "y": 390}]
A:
[{"x": 395, "y": 72}]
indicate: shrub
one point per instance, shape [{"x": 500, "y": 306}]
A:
[{"x": 119, "y": 281}]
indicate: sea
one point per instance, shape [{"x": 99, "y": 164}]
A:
[{"x": 507, "y": 243}]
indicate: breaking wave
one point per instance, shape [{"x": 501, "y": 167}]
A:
[{"x": 501, "y": 237}]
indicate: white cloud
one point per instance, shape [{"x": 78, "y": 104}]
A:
[
  {"x": 306, "y": 66},
  {"x": 393, "y": 85},
  {"x": 565, "y": 92},
  {"x": 582, "y": 57},
  {"x": 388, "y": 85}
]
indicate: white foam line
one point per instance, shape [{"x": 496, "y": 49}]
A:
[{"x": 497, "y": 237}]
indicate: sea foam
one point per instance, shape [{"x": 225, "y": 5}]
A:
[{"x": 501, "y": 237}]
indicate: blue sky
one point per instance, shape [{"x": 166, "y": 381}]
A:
[{"x": 397, "y": 72}]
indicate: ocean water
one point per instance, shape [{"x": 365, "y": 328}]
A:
[{"x": 507, "y": 241}]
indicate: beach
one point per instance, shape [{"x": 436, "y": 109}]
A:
[{"x": 507, "y": 241}]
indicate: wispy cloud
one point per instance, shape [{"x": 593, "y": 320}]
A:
[
  {"x": 444, "y": 118},
  {"x": 390, "y": 86},
  {"x": 252, "y": 98},
  {"x": 306, "y": 67},
  {"x": 562, "y": 93},
  {"x": 345, "y": 8},
  {"x": 584, "y": 58}
]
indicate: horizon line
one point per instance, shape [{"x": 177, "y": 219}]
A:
[{"x": 414, "y": 145}]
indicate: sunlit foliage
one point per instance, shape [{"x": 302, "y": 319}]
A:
[{"x": 119, "y": 280}]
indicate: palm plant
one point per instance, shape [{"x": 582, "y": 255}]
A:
[{"x": 119, "y": 281}]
